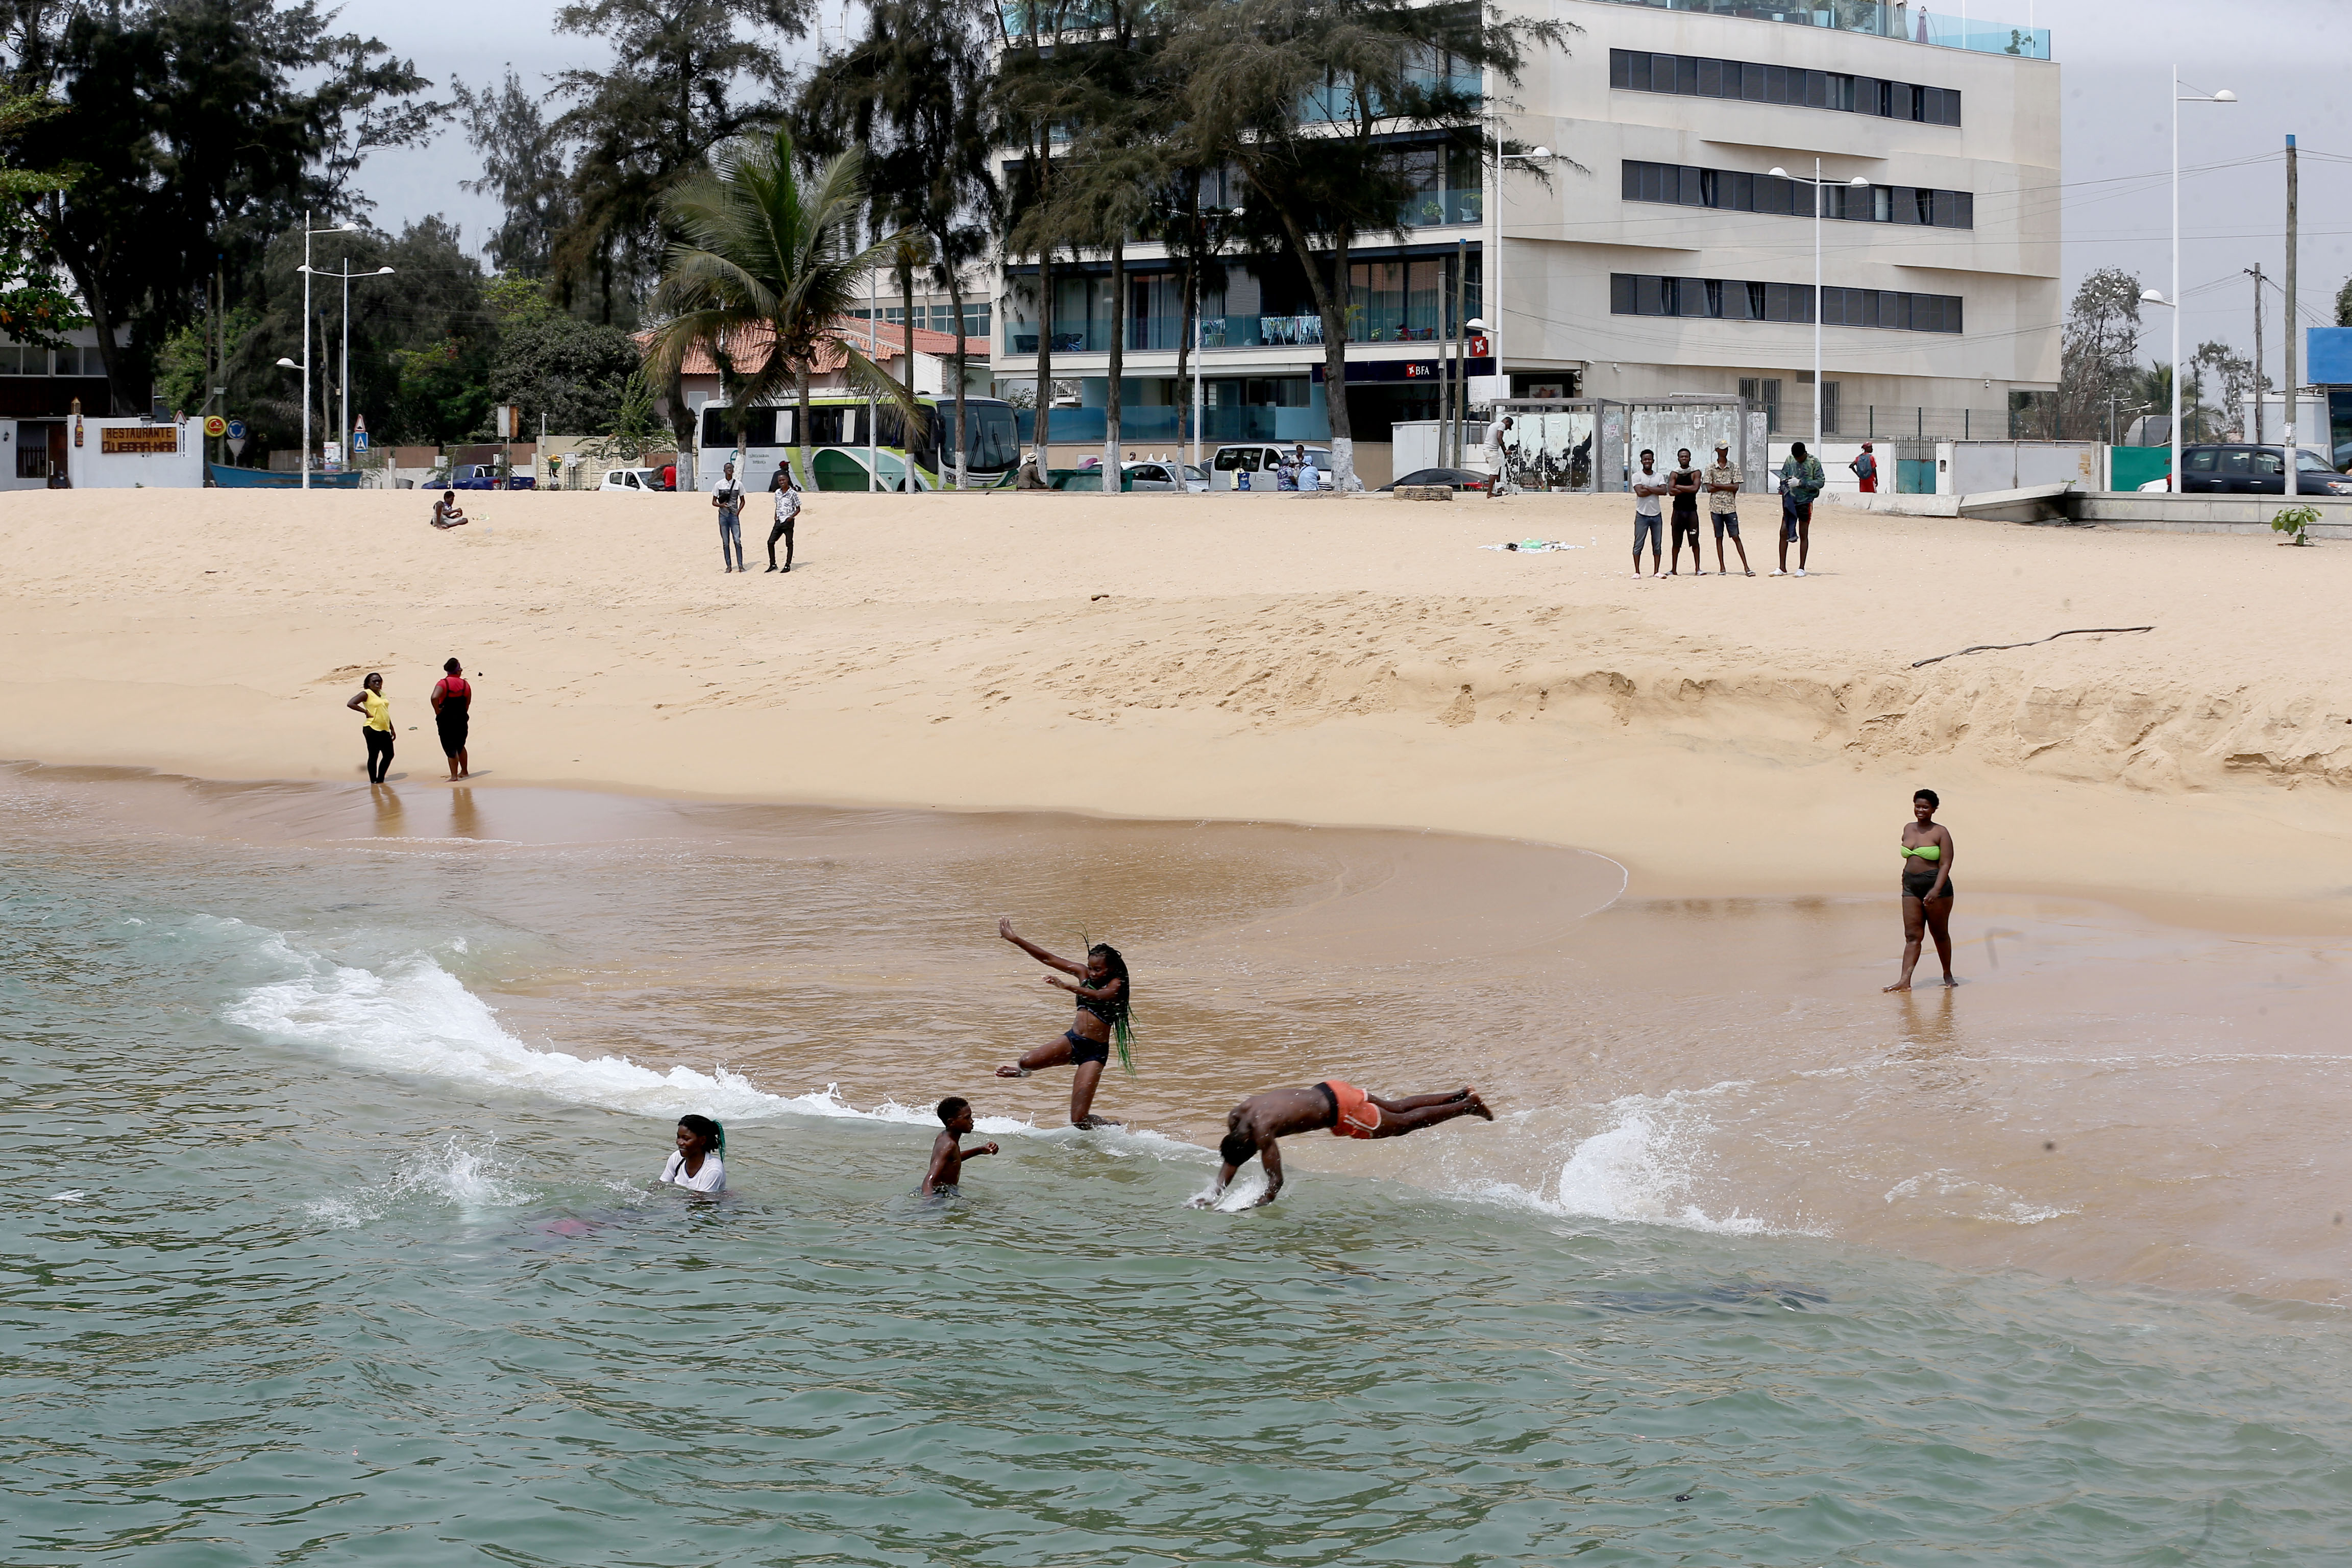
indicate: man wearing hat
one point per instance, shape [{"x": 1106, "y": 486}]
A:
[
  {"x": 1721, "y": 482},
  {"x": 1865, "y": 469}
]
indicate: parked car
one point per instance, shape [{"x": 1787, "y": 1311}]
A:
[
  {"x": 485, "y": 477},
  {"x": 2243, "y": 468},
  {"x": 632, "y": 479},
  {"x": 1460, "y": 479},
  {"x": 1260, "y": 459},
  {"x": 1150, "y": 475}
]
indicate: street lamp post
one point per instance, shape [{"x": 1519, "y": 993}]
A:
[
  {"x": 305, "y": 366},
  {"x": 2172, "y": 432},
  {"x": 1857, "y": 183},
  {"x": 346, "y": 276},
  {"x": 1493, "y": 315}
]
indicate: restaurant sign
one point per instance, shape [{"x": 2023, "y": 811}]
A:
[{"x": 154, "y": 439}]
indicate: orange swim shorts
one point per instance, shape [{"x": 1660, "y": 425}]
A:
[{"x": 1353, "y": 1114}]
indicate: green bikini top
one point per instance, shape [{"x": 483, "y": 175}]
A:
[{"x": 1927, "y": 852}]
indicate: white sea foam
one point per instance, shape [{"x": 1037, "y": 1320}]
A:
[
  {"x": 1643, "y": 1168},
  {"x": 1947, "y": 1194},
  {"x": 457, "y": 1173},
  {"x": 416, "y": 1018}
]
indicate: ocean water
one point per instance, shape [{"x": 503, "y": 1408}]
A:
[{"x": 328, "y": 1233}]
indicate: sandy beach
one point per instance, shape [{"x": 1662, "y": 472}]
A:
[{"x": 1356, "y": 661}]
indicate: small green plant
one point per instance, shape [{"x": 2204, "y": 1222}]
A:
[{"x": 2297, "y": 520}]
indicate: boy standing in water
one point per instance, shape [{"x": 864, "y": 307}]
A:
[
  {"x": 948, "y": 1153},
  {"x": 1257, "y": 1123}
]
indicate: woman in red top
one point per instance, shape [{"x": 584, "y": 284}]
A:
[{"x": 452, "y": 701}]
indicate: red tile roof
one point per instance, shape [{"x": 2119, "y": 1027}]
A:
[{"x": 881, "y": 341}]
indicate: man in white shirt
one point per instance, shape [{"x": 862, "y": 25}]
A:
[
  {"x": 788, "y": 511},
  {"x": 1649, "y": 485},
  {"x": 1495, "y": 433}
]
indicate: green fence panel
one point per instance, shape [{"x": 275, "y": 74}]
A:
[{"x": 2135, "y": 466}]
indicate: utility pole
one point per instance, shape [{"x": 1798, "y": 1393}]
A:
[
  {"x": 2293, "y": 439},
  {"x": 2255, "y": 272}
]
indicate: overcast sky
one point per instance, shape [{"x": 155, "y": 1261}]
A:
[{"x": 2285, "y": 59}]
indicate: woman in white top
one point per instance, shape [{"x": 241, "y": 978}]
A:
[{"x": 697, "y": 1166}]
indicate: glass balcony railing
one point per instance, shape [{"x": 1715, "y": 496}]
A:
[
  {"x": 1438, "y": 209},
  {"x": 1917, "y": 22},
  {"x": 1163, "y": 334}
]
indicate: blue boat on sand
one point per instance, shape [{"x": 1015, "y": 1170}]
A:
[{"x": 225, "y": 477}]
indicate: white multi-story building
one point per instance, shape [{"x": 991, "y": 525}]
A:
[{"x": 1657, "y": 254}]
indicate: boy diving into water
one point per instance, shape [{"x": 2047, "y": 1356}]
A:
[
  {"x": 1258, "y": 1123},
  {"x": 948, "y": 1153}
]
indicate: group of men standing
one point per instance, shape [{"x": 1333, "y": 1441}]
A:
[{"x": 1801, "y": 483}]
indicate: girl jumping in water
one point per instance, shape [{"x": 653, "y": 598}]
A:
[
  {"x": 1103, "y": 995},
  {"x": 1926, "y": 887}
]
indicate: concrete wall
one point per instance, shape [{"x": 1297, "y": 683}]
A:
[{"x": 93, "y": 467}]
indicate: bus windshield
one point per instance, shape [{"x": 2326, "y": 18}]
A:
[{"x": 992, "y": 439}]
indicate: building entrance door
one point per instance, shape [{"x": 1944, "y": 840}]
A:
[{"x": 40, "y": 448}]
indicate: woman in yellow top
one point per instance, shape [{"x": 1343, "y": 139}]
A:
[
  {"x": 377, "y": 731},
  {"x": 1926, "y": 887}
]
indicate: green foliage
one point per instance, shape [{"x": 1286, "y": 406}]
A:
[
  {"x": 634, "y": 429},
  {"x": 569, "y": 370},
  {"x": 443, "y": 391},
  {"x": 686, "y": 75},
  {"x": 522, "y": 165},
  {"x": 195, "y": 129},
  {"x": 181, "y": 361},
  {"x": 34, "y": 306},
  {"x": 2295, "y": 522}
]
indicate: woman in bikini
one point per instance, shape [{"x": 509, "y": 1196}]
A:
[
  {"x": 1926, "y": 887},
  {"x": 1103, "y": 993}
]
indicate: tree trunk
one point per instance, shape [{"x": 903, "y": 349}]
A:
[
  {"x": 681, "y": 426},
  {"x": 1183, "y": 361},
  {"x": 1114, "y": 468},
  {"x": 907, "y": 421},
  {"x": 955, "y": 303},
  {"x": 1331, "y": 304},
  {"x": 801, "y": 431},
  {"x": 1045, "y": 355}
]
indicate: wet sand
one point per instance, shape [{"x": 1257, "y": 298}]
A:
[
  {"x": 2107, "y": 1096},
  {"x": 1354, "y": 661}
]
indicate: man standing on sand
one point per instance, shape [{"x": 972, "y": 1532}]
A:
[
  {"x": 1648, "y": 486},
  {"x": 1723, "y": 507},
  {"x": 1255, "y": 1124},
  {"x": 1683, "y": 485},
  {"x": 1865, "y": 470},
  {"x": 1495, "y": 432},
  {"x": 728, "y": 497},
  {"x": 1801, "y": 481},
  {"x": 787, "y": 511}
]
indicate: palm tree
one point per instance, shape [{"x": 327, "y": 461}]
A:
[{"x": 767, "y": 249}]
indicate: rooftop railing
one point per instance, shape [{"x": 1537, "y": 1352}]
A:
[{"x": 1936, "y": 25}]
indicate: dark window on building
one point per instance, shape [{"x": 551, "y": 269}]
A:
[
  {"x": 1764, "y": 392},
  {"x": 1634, "y": 294},
  {"x": 1683, "y": 186},
  {"x": 1693, "y": 76}
]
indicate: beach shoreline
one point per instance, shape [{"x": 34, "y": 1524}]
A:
[{"x": 1132, "y": 658}]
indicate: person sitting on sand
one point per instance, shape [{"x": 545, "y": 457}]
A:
[
  {"x": 697, "y": 1166},
  {"x": 1104, "y": 1007},
  {"x": 1926, "y": 887},
  {"x": 1257, "y": 1123},
  {"x": 948, "y": 1153},
  {"x": 445, "y": 511}
]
